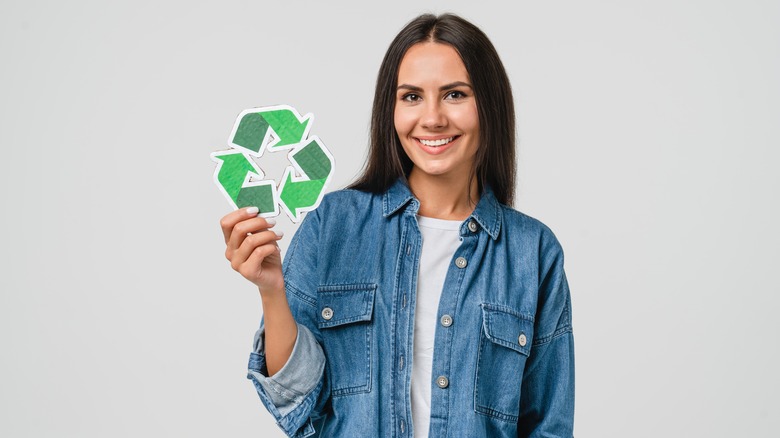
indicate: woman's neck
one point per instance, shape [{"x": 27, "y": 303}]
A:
[{"x": 443, "y": 197}]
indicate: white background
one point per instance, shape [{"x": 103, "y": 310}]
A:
[{"x": 648, "y": 142}]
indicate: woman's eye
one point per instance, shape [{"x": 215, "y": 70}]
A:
[
  {"x": 410, "y": 97},
  {"x": 455, "y": 95}
]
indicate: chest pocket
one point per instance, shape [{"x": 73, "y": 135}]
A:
[
  {"x": 344, "y": 320},
  {"x": 504, "y": 346}
]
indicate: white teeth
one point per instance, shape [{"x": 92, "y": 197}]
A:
[{"x": 439, "y": 142}]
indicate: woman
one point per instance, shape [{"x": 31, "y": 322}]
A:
[{"x": 417, "y": 302}]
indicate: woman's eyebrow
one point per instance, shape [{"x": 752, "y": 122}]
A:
[
  {"x": 454, "y": 85},
  {"x": 409, "y": 87},
  {"x": 442, "y": 88}
]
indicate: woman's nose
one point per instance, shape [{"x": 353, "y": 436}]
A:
[{"x": 433, "y": 117}]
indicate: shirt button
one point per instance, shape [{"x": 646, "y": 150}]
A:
[
  {"x": 461, "y": 262},
  {"x": 327, "y": 313},
  {"x": 442, "y": 382},
  {"x": 446, "y": 320},
  {"x": 522, "y": 340},
  {"x": 473, "y": 226}
]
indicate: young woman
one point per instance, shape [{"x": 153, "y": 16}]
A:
[{"x": 417, "y": 302}]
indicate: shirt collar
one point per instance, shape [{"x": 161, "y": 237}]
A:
[
  {"x": 487, "y": 214},
  {"x": 397, "y": 196}
]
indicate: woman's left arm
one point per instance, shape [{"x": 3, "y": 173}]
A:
[{"x": 547, "y": 394}]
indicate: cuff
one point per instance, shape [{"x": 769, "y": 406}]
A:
[{"x": 294, "y": 389}]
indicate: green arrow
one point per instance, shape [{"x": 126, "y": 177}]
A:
[
  {"x": 287, "y": 126},
  {"x": 252, "y": 130},
  {"x": 316, "y": 166},
  {"x": 313, "y": 160},
  {"x": 260, "y": 196},
  {"x": 232, "y": 172},
  {"x": 300, "y": 194}
]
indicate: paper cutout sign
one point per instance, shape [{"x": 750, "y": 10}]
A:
[{"x": 274, "y": 129}]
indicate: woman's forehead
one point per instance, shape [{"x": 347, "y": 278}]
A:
[{"x": 430, "y": 61}]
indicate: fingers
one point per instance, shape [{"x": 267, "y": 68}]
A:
[
  {"x": 231, "y": 219},
  {"x": 265, "y": 241},
  {"x": 252, "y": 249},
  {"x": 245, "y": 229},
  {"x": 251, "y": 268},
  {"x": 246, "y": 225}
]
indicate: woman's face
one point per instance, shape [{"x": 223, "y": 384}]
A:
[{"x": 435, "y": 111}]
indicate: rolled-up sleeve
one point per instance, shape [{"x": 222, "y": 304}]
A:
[
  {"x": 296, "y": 394},
  {"x": 290, "y": 394}
]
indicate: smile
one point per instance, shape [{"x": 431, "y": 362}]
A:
[{"x": 437, "y": 143}]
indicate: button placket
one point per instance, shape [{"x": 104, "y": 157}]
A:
[
  {"x": 442, "y": 382},
  {"x": 446, "y": 320}
]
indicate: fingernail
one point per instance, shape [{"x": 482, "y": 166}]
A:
[
  {"x": 270, "y": 221},
  {"x": 252, "y": 210},
  {"x": 279, "y": 233}
]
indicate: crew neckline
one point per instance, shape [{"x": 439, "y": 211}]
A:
[{"x": 439, "y": 224}]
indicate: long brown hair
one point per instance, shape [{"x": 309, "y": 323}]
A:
[{"x": 495, "y": 158}]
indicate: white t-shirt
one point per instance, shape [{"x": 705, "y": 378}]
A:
[{"x": 440, "y": 240}]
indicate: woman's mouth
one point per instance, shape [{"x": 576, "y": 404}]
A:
[{"x": 438, "y": 142}]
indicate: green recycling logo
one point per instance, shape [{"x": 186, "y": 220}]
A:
[{"x": 274, "y": 129}]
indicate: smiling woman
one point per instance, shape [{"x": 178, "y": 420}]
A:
[{"x": 417, "y": 302}]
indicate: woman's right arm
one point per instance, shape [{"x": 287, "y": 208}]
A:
[
  {"x": 253, "y": 252},
  {"x": 287, "y": 362}
]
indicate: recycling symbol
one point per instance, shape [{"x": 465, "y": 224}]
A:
[{"x": 274, "y": 129}]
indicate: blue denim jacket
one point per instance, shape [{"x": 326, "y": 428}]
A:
[{"x": 503, "y": 361}]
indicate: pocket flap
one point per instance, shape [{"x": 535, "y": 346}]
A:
[
  {"x": 508, "y": 328},
  {"x": 343, "y": 304}
]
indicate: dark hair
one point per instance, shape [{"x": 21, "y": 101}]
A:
[{"x": 495, "y": 158}]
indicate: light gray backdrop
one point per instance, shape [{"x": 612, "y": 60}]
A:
[{"x": 648, "y": 142}]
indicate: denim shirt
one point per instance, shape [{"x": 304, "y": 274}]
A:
[{"x": 503, "y": 362}]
